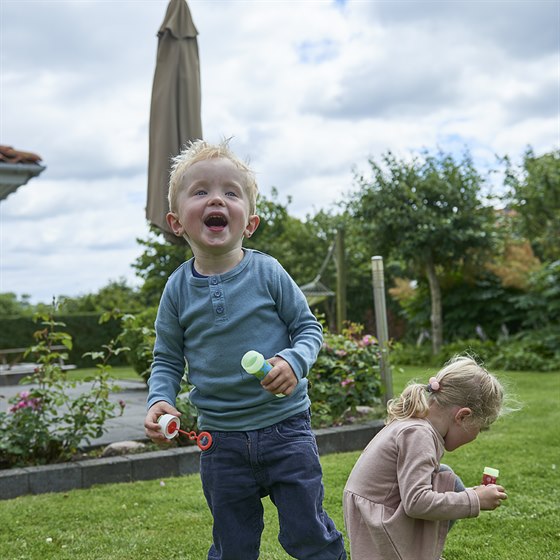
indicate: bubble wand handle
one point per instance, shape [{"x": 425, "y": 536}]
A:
[{"x": 254, "y": 364}]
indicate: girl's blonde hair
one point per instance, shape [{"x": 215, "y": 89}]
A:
[
  {"x": 200, "y": 150},
  {"x": 462, "y": 382}
]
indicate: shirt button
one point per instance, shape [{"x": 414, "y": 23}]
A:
[
  {"x": 219, "y": 309},
  {"x": 217, "y": 294},
  {"x": 214, "y": 281}
]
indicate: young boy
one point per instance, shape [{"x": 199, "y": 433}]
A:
[{"x": 215, "y": 307}]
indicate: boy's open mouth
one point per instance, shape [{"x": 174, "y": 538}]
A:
[{"x": 215, "y": 221}]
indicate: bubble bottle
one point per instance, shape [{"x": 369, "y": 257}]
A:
[
  {"x": 254, "y": 364},
  {"x": 490, "y": 475}
]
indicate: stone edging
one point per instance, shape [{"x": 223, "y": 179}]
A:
[{"x": 152, "y": 465}]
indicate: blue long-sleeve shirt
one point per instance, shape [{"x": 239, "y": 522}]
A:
[{"x": 211, "y": 322}]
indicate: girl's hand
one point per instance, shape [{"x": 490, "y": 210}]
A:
[
  {"x": 490, "y": 496},
  {"x": 281, "y": 378},
  {"x": 151, "y": 426}
]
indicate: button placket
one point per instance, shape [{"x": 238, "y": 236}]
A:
[{"x": 217, "y": 297}]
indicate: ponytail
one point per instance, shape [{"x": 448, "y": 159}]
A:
[{"x": 412, "y": 403}]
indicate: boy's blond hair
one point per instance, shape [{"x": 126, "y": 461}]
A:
[
  {"x": 462, "y": 382},
  {"x": 200, "y": 150}
]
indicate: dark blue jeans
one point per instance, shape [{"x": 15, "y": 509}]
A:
[
  {"x": 459, "y": 487},
  {"x": 280, "y": 461}
]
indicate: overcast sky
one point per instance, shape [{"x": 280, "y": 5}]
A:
[{"x": 309, "y": 90}]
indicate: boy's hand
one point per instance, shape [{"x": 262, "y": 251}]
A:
[
  {"x": 281, "y": 378},
  {"x": 150, "y": 423},
  {"x": 490, "y": 496}
]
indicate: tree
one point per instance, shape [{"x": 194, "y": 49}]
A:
[
  {"x": 10, "y": 305},
  {"x": 115, "y": 295},
  {"x": 428, "y": 213},
  {"x": 298, "y": 247},
  {"x": 535, "y": 196},
  {"x": 159, "y": 259}
]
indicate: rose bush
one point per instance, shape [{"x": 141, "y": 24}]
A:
[
  {"x": 346, "y": 375},
  {"x": 47, "y": 423}
]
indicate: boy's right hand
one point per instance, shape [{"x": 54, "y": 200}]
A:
[
  {"x": 151, "y": 426},
  {"x": 490, "y": 496},
  {"x": 281, "y": 379}
]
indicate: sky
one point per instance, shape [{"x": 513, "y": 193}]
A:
[{"x": 308, "y": 90}]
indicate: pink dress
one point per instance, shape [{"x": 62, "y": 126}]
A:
[{"x": 396, "y": 502}]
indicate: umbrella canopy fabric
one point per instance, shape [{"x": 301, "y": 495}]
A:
[{"x": 175, "y": 108}]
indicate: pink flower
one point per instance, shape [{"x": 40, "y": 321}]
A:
[
  {"x": 346, "y": 382},
  {"x": 341, "y": 353},
  {"x": 25, "y": 401},
  {"x": 368, "y": 340}
]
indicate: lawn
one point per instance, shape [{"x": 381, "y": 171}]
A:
[
  {"x": 118, "y": 373},
  {"x": 168, "y": 519}
]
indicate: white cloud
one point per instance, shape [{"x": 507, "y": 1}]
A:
[{"x": 309, "y": 91}]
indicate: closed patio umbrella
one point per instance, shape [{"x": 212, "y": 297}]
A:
[{"x": 175, "y": 107}]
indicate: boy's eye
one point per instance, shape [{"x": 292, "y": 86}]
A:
[
  {"x": 231, "y": 193},
  {"x": 199, "y": 193}
]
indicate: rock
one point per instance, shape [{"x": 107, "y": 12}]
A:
[
  {"x": 364, "y": 410},
  {"x": 122, "y": 448}
]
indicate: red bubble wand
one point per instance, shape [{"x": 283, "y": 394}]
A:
[{"x": 169, "y": 425}]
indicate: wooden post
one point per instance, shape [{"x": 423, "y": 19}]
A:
[
  {"x": 381, "y": 324},
  {"x": 340, "y": 259}
]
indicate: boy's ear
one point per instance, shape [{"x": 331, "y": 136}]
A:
[
  {"x": 252, "y": 225},
  {"x": 175, "y": 224}
]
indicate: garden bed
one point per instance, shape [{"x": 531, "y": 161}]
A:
[{"x": 151, "y": 465}]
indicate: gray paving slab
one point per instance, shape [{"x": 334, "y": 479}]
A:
[{"x": 129, "y": 426}]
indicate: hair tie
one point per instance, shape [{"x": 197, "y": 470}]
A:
[{"x": 433, "y": 385}]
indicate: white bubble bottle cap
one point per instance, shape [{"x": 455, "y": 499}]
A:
[{"x": 170, "y": 425}]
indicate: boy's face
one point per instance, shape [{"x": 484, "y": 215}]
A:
[{"x": 213, "y": 207}]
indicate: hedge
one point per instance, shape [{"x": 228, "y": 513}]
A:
[{"x": 87, "y": 335}]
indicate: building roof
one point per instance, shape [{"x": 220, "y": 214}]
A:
[
  {"x": 16, "y": 168},
  {"x": 9, "y": 155}
]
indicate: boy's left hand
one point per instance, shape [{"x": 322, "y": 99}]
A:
[{"x": 281, "y": 378}]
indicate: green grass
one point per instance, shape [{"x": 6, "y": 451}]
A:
[
  {"x": 148, "y": 520},
  {"x": 120, "y": 373}
]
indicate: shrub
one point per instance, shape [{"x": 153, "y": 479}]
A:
[
  {"x": 345, "y": 376},
  {"x": 481, "y": 350},
  {"x": 188, "y": 414},
  {"x": 410, "y": 354},
  {"x": 138, "y": 334},
  {"x": 532, "y": 350},
  {"x": 47, "y": 424}
]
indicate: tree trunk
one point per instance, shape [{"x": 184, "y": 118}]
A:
[{"x": 436, "y": 317}]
